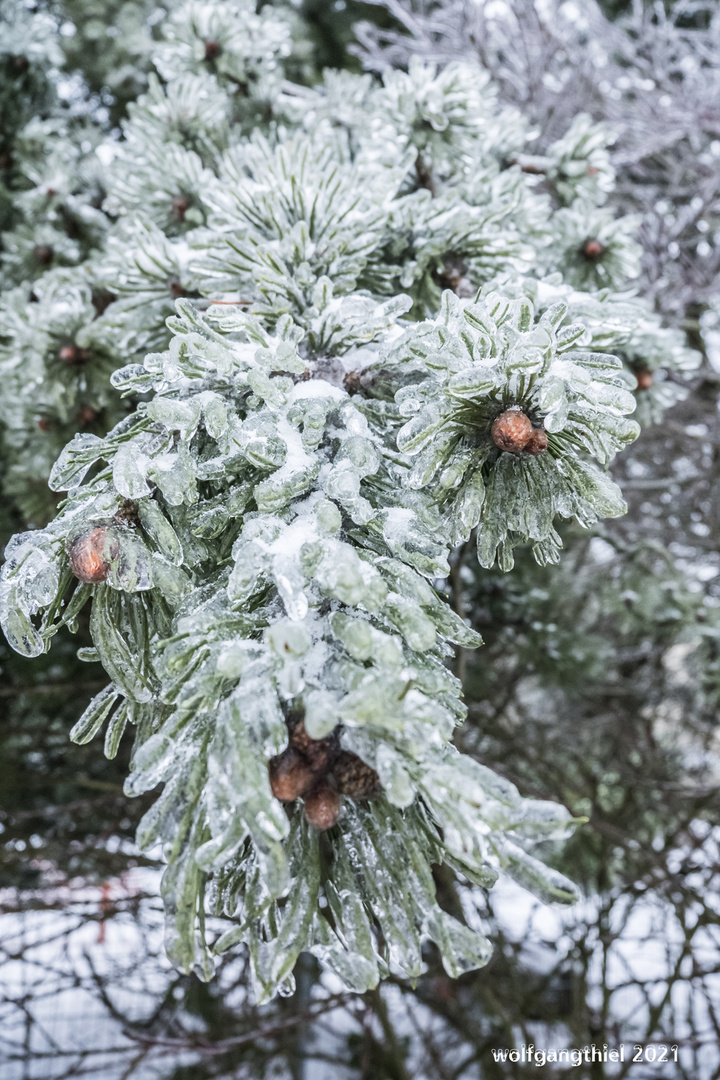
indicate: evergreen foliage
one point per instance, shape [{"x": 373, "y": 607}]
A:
[
  {"x": 650, "y": 77},
  {"x": 314, "y": 305}
]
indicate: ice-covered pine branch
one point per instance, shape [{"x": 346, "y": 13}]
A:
[
  {"x": 260, "y": 535},
  {"x": 255, "y": 571}
]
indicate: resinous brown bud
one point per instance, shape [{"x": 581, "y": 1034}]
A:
[
  {"x": 290, "y": 775},
  {"x": 73, "y": 354},
  {"x": 322, "y": 805},
  {"x": 180, "y": 207},
  {"x": 511, "y": 430},
  {"x": 87, "y": 556},
  {"x": 592, "y": 250},
  {"x": 44, "y": 254},
  {"x": 537, "y": 443}
]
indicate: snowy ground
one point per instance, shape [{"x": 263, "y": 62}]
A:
[{"x": 78, "y": 994}]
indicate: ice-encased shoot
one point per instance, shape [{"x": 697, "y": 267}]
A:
[{"x": 480, "y": 360}]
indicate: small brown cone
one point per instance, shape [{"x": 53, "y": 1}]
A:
[
  {"x": 319, "y": 753},
  {"x": 355, "y": 778},
  {"x": 537, "y": 443},
  {"x": 644, "y": 379},
  {"x": 128, "y": 513},
  {"x": 322, "y": 805},
  {"x": 87, "y": 556},
  {"x": 290, "y": 775},
  {"x": 511, "y": 430},
  {"x": 592, "y": 250}
]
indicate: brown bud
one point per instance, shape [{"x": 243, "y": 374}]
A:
[
  {"x": 511, "y": 430},
  {"x": 73, "y": 354},
  {"x": 299, "y": 737},
  {"x": 444, "y": 989},
  {"x": 212, "y": 50},
  {"x": 352, "y": 382},
  {"x": 452, "y": 273},
  {"x": 45, "y": 424},
  {"x": 354, "y": 777},
  {"x": 644, "y": 379},
  {"x": 87, "y": 555},
  {"x": 290, "y": 776},
  {"x": 44, "y": 254},
  {"x": 86, "y": 415},
  {"x": 19, "y": 64},
  {"x": 592, "y": 250},
  {"x": 177, "y": 289},
  {"x": 322, "y": 806},
  {"x": 180, "y": 207},
  {"x": 102, "y": 300},
  {"x": 537, "y": 443}
]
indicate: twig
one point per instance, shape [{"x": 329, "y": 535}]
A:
[{"x": 240, "y": 1040}]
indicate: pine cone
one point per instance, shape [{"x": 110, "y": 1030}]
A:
[
  {"x": 128, "y": 513},
  {"x": 644, "y": 379},
  {"x": 87, "y": 556},
  {"x": 537, "y": 443},
  {"x": 354, "y": 777},
  {"x": 319, "y": 753},
  {"x": 592, "y": 250},
  {"x": 322, "y": 805},
  {"x": 290, "y": 775},
  {"x": 511, "y": 430}
]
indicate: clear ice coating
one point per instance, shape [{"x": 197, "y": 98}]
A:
[{"x": 302, "y": 459}]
